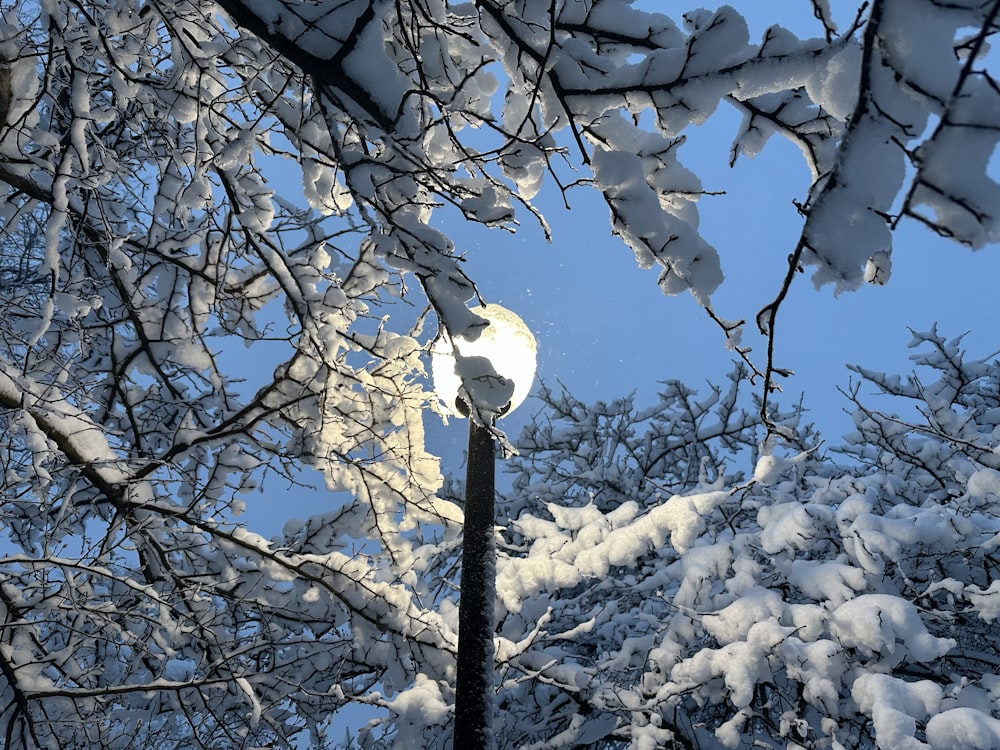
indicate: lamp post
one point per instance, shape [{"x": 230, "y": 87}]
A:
[{"x": 484, "y": 377}]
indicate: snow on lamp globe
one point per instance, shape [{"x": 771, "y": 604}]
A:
[
  {"x": 495, "y": 369},
  {"x": 484, "y": 375}
]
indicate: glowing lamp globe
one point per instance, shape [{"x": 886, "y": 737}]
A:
[{"x": 494, "y": 370}]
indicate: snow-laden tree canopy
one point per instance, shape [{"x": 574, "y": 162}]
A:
[
  {"x": 142, "y": 238},
  {"x": 672, "y": 578}
]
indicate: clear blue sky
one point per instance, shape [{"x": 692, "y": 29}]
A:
[{"x": 605, "y": 329}]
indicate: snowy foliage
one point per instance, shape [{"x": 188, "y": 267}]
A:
[
  {"x": 651, "y": 595},
  {"x": 142, "y": 238}
]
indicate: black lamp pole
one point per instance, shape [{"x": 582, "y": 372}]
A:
[
  {"x": 465, "y": 374},
  {"x": 474, "y": 685}
]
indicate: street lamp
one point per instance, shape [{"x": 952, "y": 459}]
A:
[{"x": 485, "y": 375}]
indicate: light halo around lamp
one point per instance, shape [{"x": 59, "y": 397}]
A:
[{"x": 497, "y": 367}]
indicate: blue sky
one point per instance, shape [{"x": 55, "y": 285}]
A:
[{"x": 604, "y": 328}]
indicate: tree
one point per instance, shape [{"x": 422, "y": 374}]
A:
[
  {"x": 653, "y": 595},
  {"x": 135, "y": 609}
]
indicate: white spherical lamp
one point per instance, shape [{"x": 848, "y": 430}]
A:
[{"x": 492, "y": 371}]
